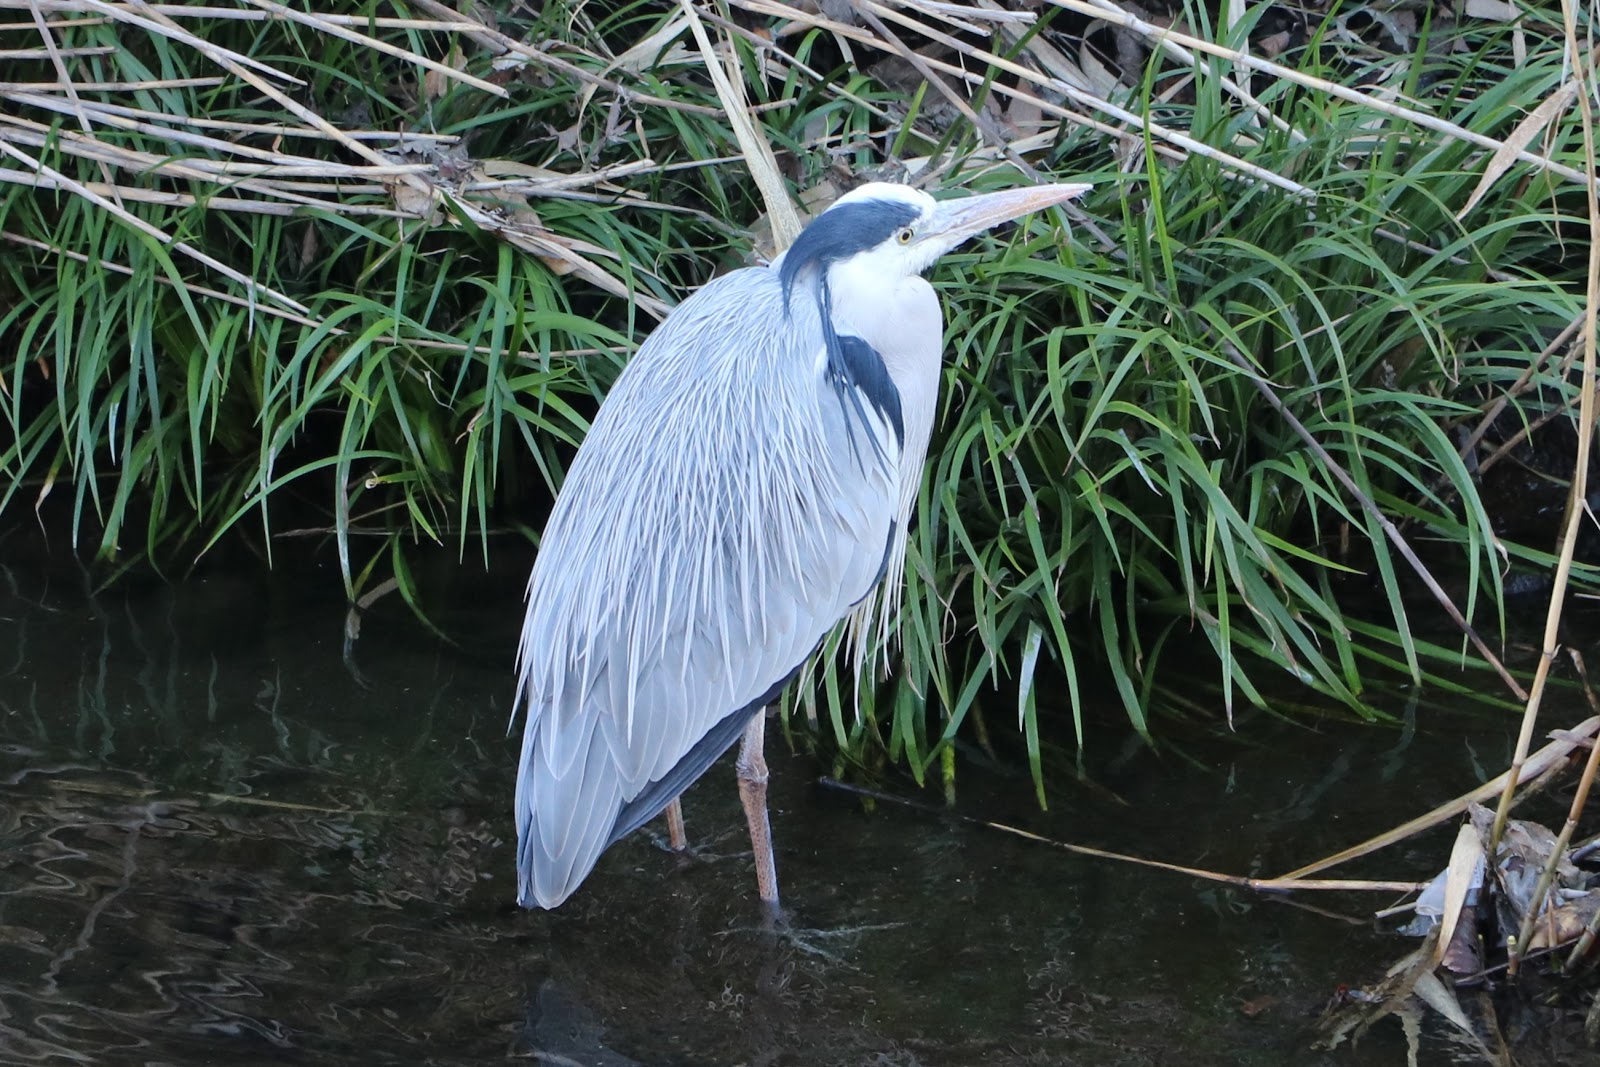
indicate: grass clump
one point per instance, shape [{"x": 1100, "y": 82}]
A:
[{"x": 369, "y": 271}]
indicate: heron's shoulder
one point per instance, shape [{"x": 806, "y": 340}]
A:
[
  {"x": 739, "y": 320},
  {"x": 732, "y": 290}
]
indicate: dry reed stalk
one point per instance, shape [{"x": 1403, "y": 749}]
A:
[
  {"x": 757, "y": 150},
  {"x": 1580, "y": 799},
  {"x": 271, "y": 181},
  {"x": 1576, "y": 505},
  {"x": 1545, "y": 761}
]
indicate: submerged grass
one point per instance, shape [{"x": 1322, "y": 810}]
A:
[{"x": 364, "y": 272}]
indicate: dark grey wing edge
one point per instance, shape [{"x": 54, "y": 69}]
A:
[{"x": 659, "y": 793}]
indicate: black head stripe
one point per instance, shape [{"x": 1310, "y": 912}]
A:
[
  {"x": 840, "y": 233},
  {"x": 855, "y": 365}
]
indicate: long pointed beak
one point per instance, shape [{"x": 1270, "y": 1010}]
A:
[{"x": 956, "y": 220}]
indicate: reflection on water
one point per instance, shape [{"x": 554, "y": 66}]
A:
[{"x": 217, "y": 845}]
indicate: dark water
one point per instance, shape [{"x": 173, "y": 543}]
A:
[{"x": 217, "y": 845}]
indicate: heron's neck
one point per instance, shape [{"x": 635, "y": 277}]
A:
[{"x": 900, "y": 319}]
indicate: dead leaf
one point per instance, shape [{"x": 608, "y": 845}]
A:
[
  {"x": 504, "y": 168},
  {"x": 44, "y": 491},
  {"x": 1464, "y": 954},
  {"x": 1463, "y": 874},
  {"x": 435, "y": 83},
  {"x": 1274, "y": 45},
  {"x": 1442, "y": 999},
  {"x": 570, "y": 138},
  {"x": 1547, "y": 112},
  {"x": 1527, "y": 842},
  {"x": 1026, "y": 117},
  {"x": 1256, "y": 1005},
  {"x": 1525, "y": 848},
  {"x": 414, "y": 198},
  {"x": 1566, "y": 922},
  {"x": 310, "y": 248},
  {"x": 1493, "y": 10},
  {"x": 1097, "y": 77},
  {"x": 1359, "y": 1009},
  {"x": 1436, "y": 995}
]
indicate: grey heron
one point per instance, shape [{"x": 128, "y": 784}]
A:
[{"x": 746, "y": 485}]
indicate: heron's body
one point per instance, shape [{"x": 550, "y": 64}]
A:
[{"x": 747, "y": 483}]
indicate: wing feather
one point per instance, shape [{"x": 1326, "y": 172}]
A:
[
  {"x": 564, "y": 860},
  {"x": 715, "y": 525}
]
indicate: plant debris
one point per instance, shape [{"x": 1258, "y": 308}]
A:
[{"x": 1469, "y": 917}]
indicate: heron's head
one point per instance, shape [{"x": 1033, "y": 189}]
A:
[{"x": 894, "y": 231}]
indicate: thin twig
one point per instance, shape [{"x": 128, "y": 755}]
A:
[{"x": 1524, "y": 380}]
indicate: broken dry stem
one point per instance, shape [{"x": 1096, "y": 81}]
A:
[
  {"x": 1580, "y": 948},
  {"x": 1536, "y": 906}
]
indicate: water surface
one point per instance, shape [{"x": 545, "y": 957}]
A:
[{"x": 222, "y": 840}]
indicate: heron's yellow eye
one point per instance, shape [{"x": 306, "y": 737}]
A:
[{"x": 904, "y": 236}]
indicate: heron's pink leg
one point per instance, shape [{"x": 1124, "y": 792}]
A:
[
  {"x": 675, "y": 835},
  {"x": 753, "y": 792}
]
